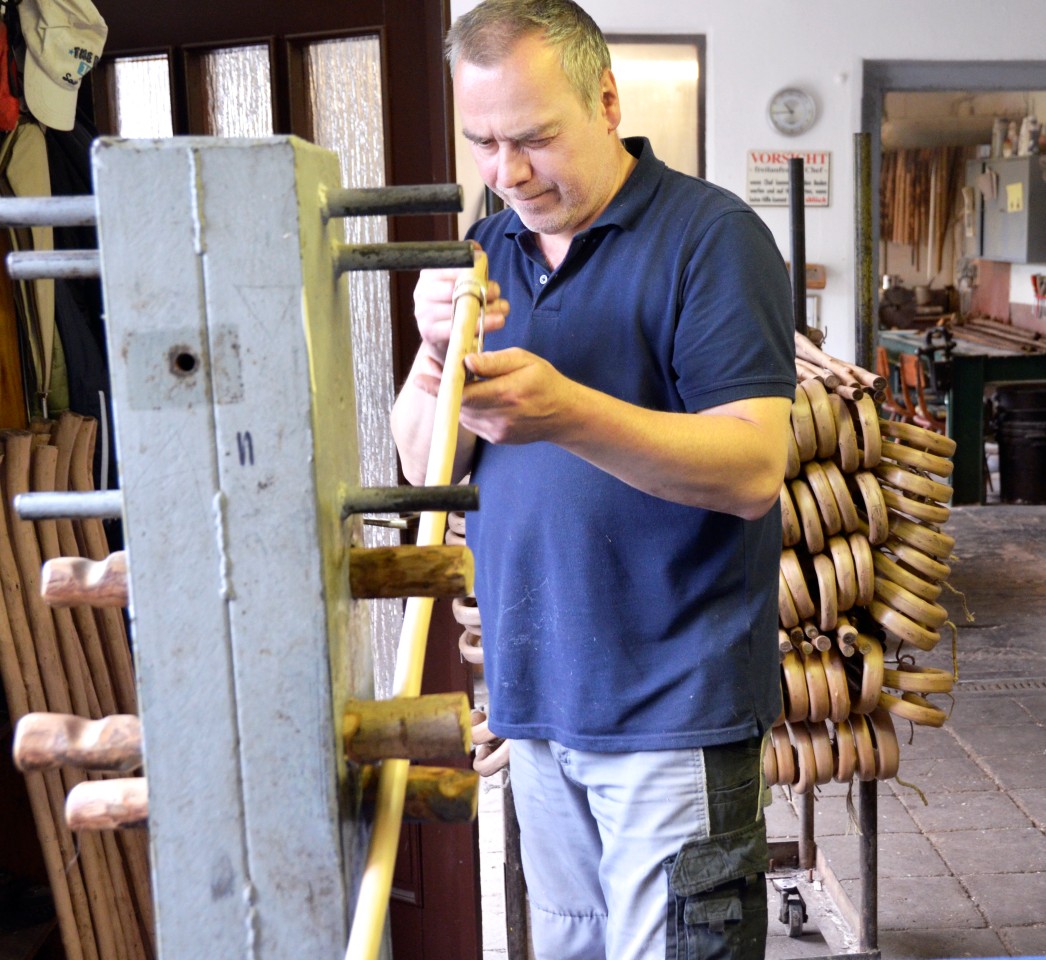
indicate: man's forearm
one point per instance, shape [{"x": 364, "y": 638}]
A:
[
  {"x": 413, "y": 418},
  {"x": 730, "y": 459}
]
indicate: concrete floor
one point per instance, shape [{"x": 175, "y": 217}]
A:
[{"x": 962, "y": 858}]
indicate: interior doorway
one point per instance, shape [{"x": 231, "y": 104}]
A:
[
  {"x": 959, "y": 81},
  {"x": 984, "y": 340}
]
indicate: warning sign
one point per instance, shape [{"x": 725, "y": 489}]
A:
[{"x": 768, "y": 177}]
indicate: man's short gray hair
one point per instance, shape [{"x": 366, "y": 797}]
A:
[{"x": 486, "y": 34}]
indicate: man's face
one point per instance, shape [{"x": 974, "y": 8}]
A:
[{"x": 535, "y": 144}]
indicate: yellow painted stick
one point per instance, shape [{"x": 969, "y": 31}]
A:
[{"x": 368, "y": 920}]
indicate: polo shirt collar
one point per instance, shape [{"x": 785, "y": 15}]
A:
[{"x": 629, "y": 203}]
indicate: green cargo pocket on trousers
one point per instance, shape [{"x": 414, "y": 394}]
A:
[
  {"x": 717, "y": 902},
  {"x": 710, "y": 862},
  {"x": 713, "y": 911}
]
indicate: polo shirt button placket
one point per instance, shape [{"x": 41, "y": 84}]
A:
[{"x": 543, "y": 279}]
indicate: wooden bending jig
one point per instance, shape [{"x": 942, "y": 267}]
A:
[{"x": 231, "y": 364}]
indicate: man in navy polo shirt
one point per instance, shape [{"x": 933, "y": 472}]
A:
[{"x": 627, "y": 431}]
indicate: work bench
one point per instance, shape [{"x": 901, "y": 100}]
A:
[{"x": 962, "y": 379}]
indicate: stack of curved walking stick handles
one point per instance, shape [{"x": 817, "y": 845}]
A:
[{"x": 863, "y": 562}]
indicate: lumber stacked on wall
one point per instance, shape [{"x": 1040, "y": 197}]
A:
[{"x": 918, "y": 193}]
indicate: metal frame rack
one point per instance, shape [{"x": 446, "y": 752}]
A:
[{"x": 803, "y": 854}]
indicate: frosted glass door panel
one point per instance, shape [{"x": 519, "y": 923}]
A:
[
  {"x": 140, "y": 97},
  {"x": 345, "y": 104},
  {"x": 237, "y": 86}
]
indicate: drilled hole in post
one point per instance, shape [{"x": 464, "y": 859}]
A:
[{"x": 183, "y": 361}]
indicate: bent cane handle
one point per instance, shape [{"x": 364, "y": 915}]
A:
[
  {"x": 68, "y": 581},
  {"x": 44, "y": 741}
]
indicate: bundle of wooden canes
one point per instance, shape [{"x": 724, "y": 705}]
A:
[
  {"x": 862, "y": 564},
  {"x": 72, "y": 660}
]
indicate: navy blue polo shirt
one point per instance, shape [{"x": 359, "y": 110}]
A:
[{"x": 614, "y": 620}]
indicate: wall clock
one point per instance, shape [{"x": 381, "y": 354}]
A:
[{"x": 792, "y": 111}]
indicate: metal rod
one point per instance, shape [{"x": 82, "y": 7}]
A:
[
  {"x": 57, "y": 264},
  {"x": 47, "y": 211},
  {"x": 402, "y": 256},
  {"x": 379, "y": 201},
  {"x": 867, "y": 814},
  {"x": 797, "y": 215},
  {"x": 807, "y": 846},
  {"x": 87, "y": 505},
  {"x": 864, "y": 321},
  {"x": 411, "y": 499}
]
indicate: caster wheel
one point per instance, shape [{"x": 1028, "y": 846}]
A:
[{"x": 795, "y": 919}]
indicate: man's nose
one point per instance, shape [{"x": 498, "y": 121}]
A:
[{"x": 513, "y": 168}]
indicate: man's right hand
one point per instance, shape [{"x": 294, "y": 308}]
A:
[
  {"x": 434, "y": 310},
  {"x": 412, "y": 413}
]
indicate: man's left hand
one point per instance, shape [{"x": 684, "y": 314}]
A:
[{"x": 517, "y": 398}]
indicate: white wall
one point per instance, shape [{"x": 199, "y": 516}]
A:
[{"x": 754, "y": 47}]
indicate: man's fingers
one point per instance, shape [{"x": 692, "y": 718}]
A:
[
  {"x": 496, "y": 363},
  {"x": 491, "y": 363}
]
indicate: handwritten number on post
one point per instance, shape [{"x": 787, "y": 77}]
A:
[{"x": 246, "y": 448}]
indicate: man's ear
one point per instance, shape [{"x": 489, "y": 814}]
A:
[{"x": 609, "y": 101}]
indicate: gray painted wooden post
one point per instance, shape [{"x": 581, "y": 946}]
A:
[{"x": 230, "y": 349}]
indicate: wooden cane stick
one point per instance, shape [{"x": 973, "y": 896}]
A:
[
  {"x": 805, "y": 370},
  {"x": 848, "y": 372},
  {"x": 26, "y": 558},
  {"x": 86, "y": 625},
  {"x": 105, "y": 640},
  {"x": 40, "y": 474},
  {"x": 376, "y": 884},
  {"x": 96, "y": 547},
  {"x": 849, "y": 391}
]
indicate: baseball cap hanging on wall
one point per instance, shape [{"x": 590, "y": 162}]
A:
[{"x": 63, "y": 41}]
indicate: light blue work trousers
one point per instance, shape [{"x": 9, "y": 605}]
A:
[{"x": 651, "y": 855}]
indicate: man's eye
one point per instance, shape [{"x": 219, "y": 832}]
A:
[{"x": 539, "y": 143}]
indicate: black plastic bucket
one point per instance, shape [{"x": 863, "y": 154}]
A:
[{"x": 1020, "y": 428}]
